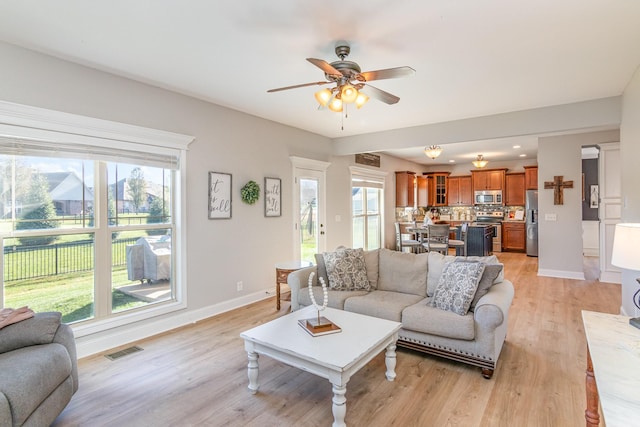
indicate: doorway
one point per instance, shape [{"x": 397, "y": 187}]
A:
[
  {"x": 309, "y": 208},
  {"x": 590, "y": 212}
]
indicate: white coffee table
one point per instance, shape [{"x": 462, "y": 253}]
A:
[{"x": 335, "y": 357}]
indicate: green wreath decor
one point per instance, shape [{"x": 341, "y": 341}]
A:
[{"x": 250, "y": 193}]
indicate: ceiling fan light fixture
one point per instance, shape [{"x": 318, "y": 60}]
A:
[
  {"x": 480, "y": 162},
  {"x": 348, "y": 93},
  {"x": 323, "y": 97},
  {"x": 361, "y": 99},
  {"x": 335, "y": 105},
  {"x": 433, "y": 151}
]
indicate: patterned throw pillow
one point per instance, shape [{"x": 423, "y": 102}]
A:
[
  {"x": 346, "y": 270},
  {"x": 457, "y": 286},
  {"x": 491, "y": 272}
]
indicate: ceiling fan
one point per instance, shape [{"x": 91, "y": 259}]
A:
[{"x": 352, "y": 84}]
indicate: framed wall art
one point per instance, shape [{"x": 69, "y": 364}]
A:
[
  {"x": 272, "y": 197},
  {"x": 219, "y": 195}
]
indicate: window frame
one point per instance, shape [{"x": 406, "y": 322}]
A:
[
  {"x": 54, "y": 127},
  {"x": 377, "y": 180}
]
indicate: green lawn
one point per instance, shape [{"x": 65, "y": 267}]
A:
[{"x": 70, "y": 294}]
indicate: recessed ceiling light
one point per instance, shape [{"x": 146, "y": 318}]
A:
[
  {"x": 452, "y": 161},
  {"x": 516, "y": 146},
  {"x": 523, "y": 155}
]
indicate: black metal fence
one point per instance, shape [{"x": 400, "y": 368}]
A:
[{"x": 27, "y": 262}]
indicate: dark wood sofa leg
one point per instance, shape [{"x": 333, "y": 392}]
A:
[{"x": 487, "y": 373}]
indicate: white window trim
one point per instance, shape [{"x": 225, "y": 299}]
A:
[
  {"x": 375, "y": 176},
  {"x": 23, "y": 121}
]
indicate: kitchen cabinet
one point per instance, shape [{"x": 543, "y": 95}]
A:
[
  {"x": 437, "y": 188},
  {"x": 405, "y": 189},
  {"x": 490, "y": 179},
  {"x": 514, "y": 189},
  {"x": 513, "y": 236},
  {"x": 459, "y": 191},
  {"x": 479, "y": 240},
  {"x": 423, "y": 191},
  {"x": 531, "y": 177}
]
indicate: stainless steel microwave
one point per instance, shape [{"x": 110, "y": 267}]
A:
[{"x": 488, "y": 197}]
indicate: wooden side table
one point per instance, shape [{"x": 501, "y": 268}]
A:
[{"x": 283, "y": 269}]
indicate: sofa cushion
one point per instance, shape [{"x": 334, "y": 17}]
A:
[
  {"x": 437, "y": 262},
  {"x": 321, "y": 269},
  {"x": 346, "y": 270},
  {"x": 457, "y": 286},
  {"x": 381, "y": 304},
  {"x": 336, "y": 298},
  {"x": 403, "y": 272},
  {"x": 30, "y": 374},
  {"x": 491, "y": 272},
  {"x": 371, "y": 262},
  {"x": 421, "y": 317}
]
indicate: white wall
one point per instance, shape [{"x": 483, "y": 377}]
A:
[
  {"x": 339, "y": 197},
  {"x": 630, "y": 152},
  {"x": 219, "y": 252},
  {"x": 560, "y": 241}
]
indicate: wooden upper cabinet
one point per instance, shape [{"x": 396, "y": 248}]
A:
[
  {"x": 531, "y": 177},
  {"x": 423, "y": 191},
  {"x": 405, "y": 189},
  {"x": 489, "y": 179},
  {"x": 459, "y": 191},
  {"x": 437, "y": 188},
  {"x": 514, "y": 189}
]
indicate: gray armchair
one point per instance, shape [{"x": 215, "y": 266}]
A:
[{"x": 38, "y": 370}]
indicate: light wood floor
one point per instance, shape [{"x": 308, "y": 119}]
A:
[{"x": 197, "y": 375}]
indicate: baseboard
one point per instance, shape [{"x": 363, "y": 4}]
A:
[
  {"x": 591, "y": 252},
  {"x": 100, "y": 342},
  {"x": 611, "y": 277},
  {"x": 561, "y": 274}
]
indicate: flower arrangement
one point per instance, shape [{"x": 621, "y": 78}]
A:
[{"x": 250, "y": 193}]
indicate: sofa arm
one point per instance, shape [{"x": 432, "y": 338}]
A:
[
  {"x": 493, "y": 308},
  {"x": 298, "y": 280},
  {"x": 65, "y": 337},
  {"x": 39, "y": 329}
]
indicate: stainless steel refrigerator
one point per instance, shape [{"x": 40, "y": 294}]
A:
[{"x": 531, "y": 208}]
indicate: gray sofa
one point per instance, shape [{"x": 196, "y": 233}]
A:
[
  {"x": 402, "y": 285},
  {"x": 38, "y": 370}
]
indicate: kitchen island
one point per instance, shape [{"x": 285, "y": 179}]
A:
[{"x": 479, "y": 241}]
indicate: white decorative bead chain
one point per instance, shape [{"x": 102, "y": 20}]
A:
[{"x": 325, "y": 292}]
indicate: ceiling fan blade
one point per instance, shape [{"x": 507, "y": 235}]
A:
[
  {"x": 297, "y": 86},
  {"x": 324, "y": 66},
  {"x": 380, "y": 95},
  {"x": 389, "y": 73}
]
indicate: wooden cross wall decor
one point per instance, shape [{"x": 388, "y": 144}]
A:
[{"x": 558, "y": 185}]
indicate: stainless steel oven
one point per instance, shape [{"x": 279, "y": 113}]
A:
[{"x": 493, "y": 219}]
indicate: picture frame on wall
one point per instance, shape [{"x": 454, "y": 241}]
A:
[
  {"x": 272, "y": 197},
  {"x": 219, "y": 195}
]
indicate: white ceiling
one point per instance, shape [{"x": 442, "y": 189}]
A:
[{"x": 472, "y": 58}]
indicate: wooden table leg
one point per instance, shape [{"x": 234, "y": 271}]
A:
[
  {"x": 277, "y": 295},
  {"x": 591, "y": 414}
]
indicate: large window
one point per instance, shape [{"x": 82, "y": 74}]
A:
[
  {"x": 67, "y": 219},
  {"x": 366, "y": 209},
  {"x": 89, "y": 226}
]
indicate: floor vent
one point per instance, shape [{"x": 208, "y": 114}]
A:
[{"x": 122, "y": 353}]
